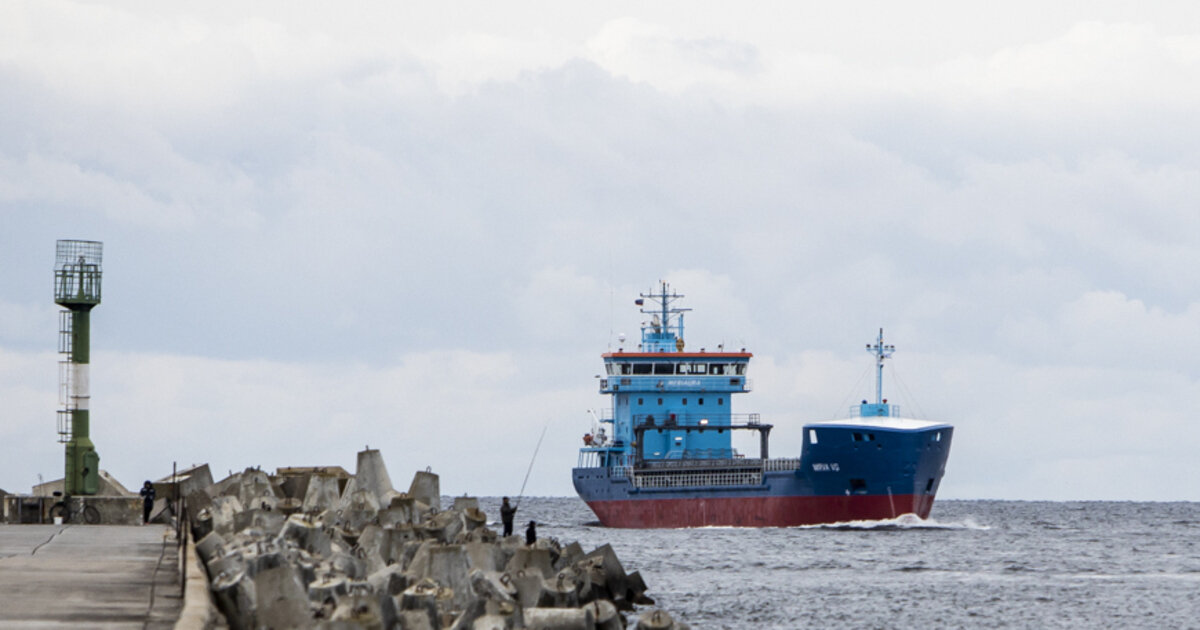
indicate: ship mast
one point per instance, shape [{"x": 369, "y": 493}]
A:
[
  {"x": 881, "y": 352},
  {"x": 664, "y": 332}
]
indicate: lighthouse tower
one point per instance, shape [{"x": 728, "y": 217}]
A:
[{"x": 77, "y": 289}]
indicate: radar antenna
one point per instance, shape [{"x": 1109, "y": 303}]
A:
[{"x": 665, "y": 330}]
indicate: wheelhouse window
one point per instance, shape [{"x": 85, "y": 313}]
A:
[
  {"x": 641, "y": 368},
  {"x": 717, "y": 369},
  {"x": 694, "y": 368},
  {"x": 664, "y": 368}
]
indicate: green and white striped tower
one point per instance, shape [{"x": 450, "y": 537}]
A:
[{"x": 77, "y": 288}]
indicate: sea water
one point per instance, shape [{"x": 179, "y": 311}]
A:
[{"x": 972, "y": 564}]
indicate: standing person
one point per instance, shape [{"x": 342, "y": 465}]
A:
[
  {"x": 147, "y": 501},
  {"x": 506, "y": 516},
  {"x": 531, "y": 533}
]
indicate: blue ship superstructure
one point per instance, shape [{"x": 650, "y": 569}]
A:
[
  {"x": 663, "y": 456},
  {"x": 668, "y": 404}
]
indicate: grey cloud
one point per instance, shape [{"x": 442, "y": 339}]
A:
[{"x": 357, "y": 214}]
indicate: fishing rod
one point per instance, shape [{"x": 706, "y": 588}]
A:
[{"x": 531, "y": 460}]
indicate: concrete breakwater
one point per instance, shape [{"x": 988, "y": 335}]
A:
[{"x": 319, "y": 548}]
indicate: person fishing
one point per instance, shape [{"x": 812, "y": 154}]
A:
[
  {"x": 506, "y": 516},
  {"x": 147, "y": 501}
]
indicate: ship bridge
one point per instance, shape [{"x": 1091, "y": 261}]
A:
[{"x": 669, "y": 402}]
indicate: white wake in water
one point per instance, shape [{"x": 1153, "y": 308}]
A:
[{"x": 904, "y": 521}]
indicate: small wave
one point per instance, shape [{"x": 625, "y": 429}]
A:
[{"x": 902, "y": 522}]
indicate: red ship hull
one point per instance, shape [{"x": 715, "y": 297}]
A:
[{"x": 776, "y": 511}]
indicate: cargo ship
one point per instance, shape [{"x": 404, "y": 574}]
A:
[{"x": 662, "y": 455}]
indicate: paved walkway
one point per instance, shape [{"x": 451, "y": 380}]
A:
[{"x": 88, "y": 576}]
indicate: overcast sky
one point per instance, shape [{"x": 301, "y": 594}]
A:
[{"x": 417, "y": 228}]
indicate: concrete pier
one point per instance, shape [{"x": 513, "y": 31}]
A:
[
  {"x": 88, "y": 576},
  {"x": 371, "y": 557}
]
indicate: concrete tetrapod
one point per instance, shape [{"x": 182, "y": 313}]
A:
[
  {"x": 320, "y": 493},
  {"x": 282, "y": 601},
  {"x": 369, "y": 557},
  {"x": 426, "y": 488},
  {"x": 559, "y": 619},
  {"x": 371, "y": 476},
  {"x": 659, "y": 620}
]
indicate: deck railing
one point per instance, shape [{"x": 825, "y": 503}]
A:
[
  {"x": 698, "y": 479},
  {"x": 683, "y": 466},
  {"x": 783, "y": 463},
  {"x": 856, "y": 411}
]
